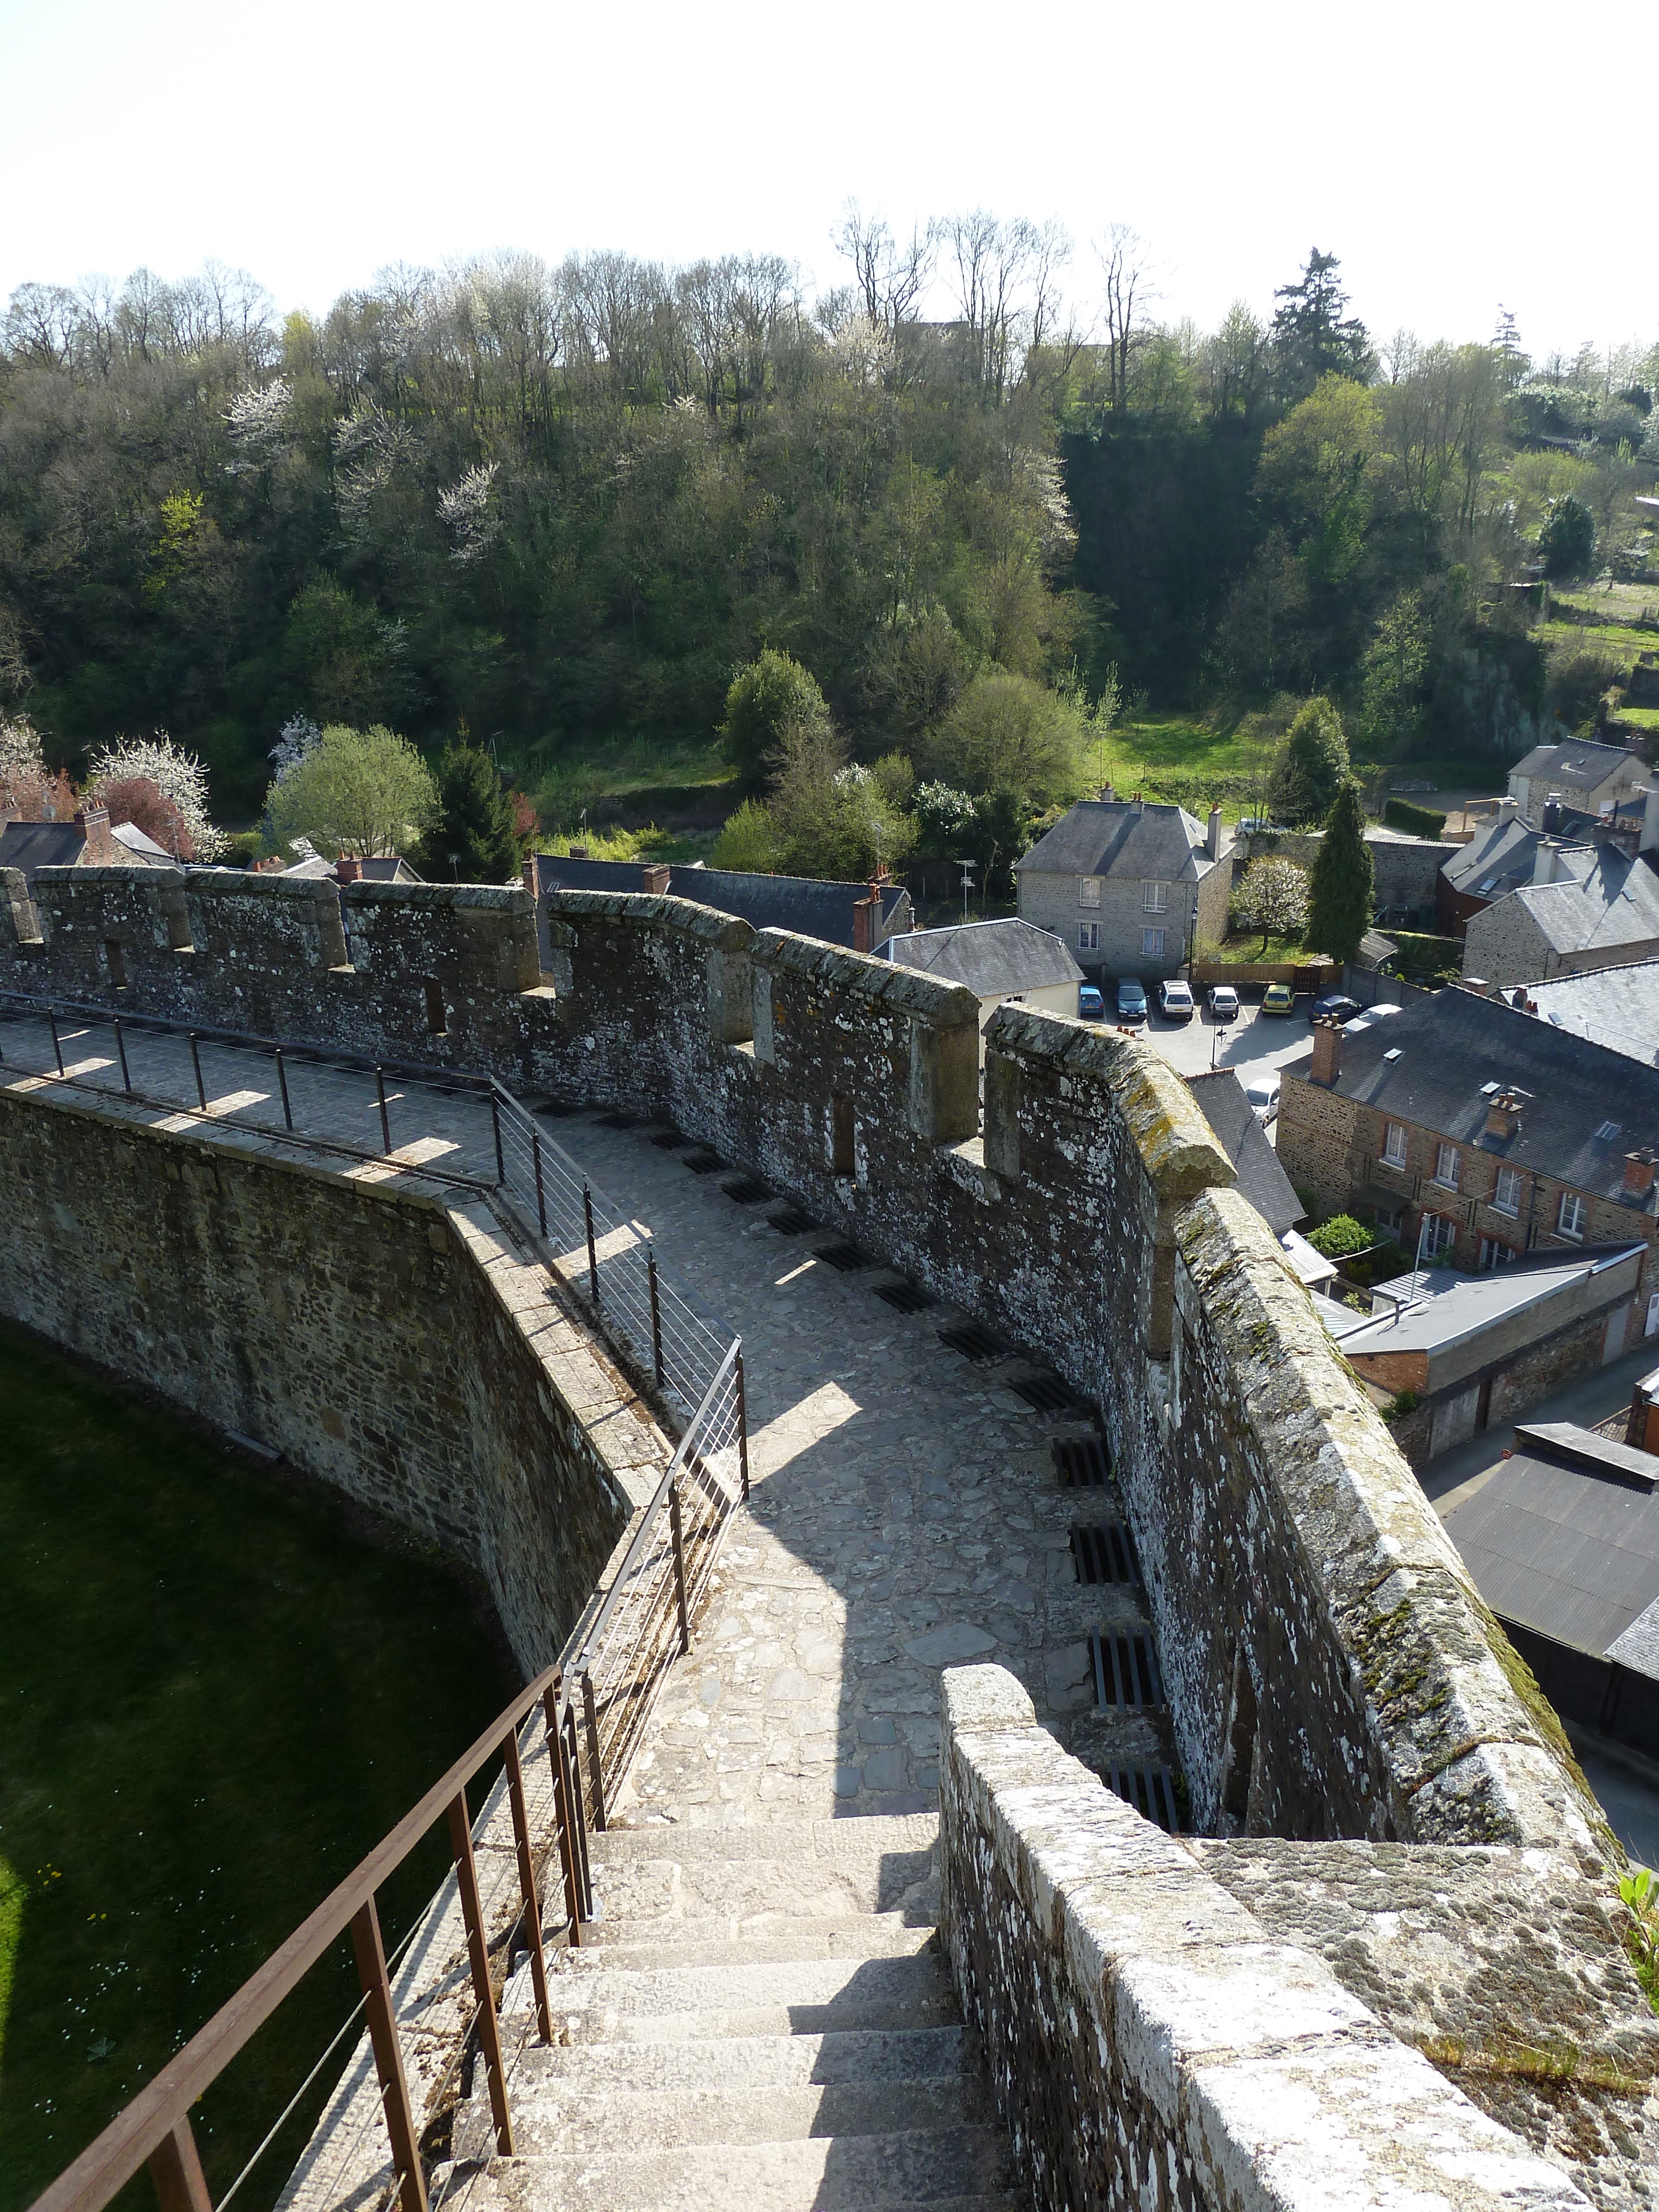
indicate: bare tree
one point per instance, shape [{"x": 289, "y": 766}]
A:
[
  {"x": 889, "y": 274},
  {"x": 1127, "y": 267}
]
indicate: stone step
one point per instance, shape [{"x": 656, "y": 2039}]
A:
[
  {"x": 873, "y": 1834},
  {"x": 765, "y": 1940},
  {"x": 948, "y": 2169},
  {"x": 783, "y": 2061},
  {"x": 576, "y": 2117},
  {"x": 683, "y": 1989}
]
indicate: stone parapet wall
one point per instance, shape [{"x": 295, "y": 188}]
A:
[
  {"x": 390, "y": 1342},
  {"x": 1151, "y": 2042},
  {"x": 1334, "y": 1671}
]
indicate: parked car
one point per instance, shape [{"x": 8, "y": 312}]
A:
[
  {"x": 1224, "y": 1003},
  {"x": 1278, "y": 998},
  {"x": 1174, "y": 1000},
  {"x": 1090, "y": 1006},
  {"x": 1131, "y": 999},
  {"x": 1372, "y": 1016},
  {"x": 1334, "y": 1007},
  {"x": 1262, "y": 1091}
]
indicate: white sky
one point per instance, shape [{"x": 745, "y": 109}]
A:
[{"x": 1454, "y": 152}]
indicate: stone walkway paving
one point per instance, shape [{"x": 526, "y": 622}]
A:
[{"x": 906, "y": 1515}]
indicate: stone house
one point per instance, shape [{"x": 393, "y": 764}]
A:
[
  {"x": 1586, "y": 907},
  {"x": 999, "y": 961},
  {"x": 1502, "y": 1131},
  {"x": 1590, "y": 778},
  {"x": 857, "y": 914},
  {"x": 1618, "y": 1007},
  {"x": 1129, "y": 885},
  {"x": 88, "y": 841}
]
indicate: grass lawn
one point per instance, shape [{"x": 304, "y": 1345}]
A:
[
  {"x": 592, "y": 778},
  {"x": 215, "y": 1697},
  {"x": 1619, "y": 638},
  {"x": 1640, "y": 718}
]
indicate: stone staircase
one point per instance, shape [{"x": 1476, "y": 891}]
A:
[{"x": 764, "y": 2021}]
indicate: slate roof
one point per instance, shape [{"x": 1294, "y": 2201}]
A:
[
  {"x": 32, "y": 845},
  {"x": 1498, "y": 860},
  {"x": 129, "y": 834},
  {"x": 1447, "y": 1045},
  {"x": 1618, "y": 1007},
  {"x": 1579, "y": 767},
  {"x": 380, "y": 868},
  {"x": 990, "y": 957},
  {"x": 1564, "y": 1537},
  {"x": 1149, "y": 843},
  {"x": 1615, "y": 901},
  {"x": 1453, "y": 1309},
  {"x": 801, "y": 903},
  {"x": 1228, "y": 1110}
]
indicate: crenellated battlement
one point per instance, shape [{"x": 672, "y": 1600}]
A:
[{"x": 1332, "y": 1668}]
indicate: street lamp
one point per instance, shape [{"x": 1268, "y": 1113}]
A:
[{"x": 967, "y": 885}]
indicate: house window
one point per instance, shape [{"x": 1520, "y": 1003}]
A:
[
  {"x": 1151, "y": 944},
  {"x": 1391, "y": 1221},
  {"x": 1393, "y": 1144},
  {"x": 1440, "y": 1234},
  {"x": 1088, "y": 937},
  {"x": 1155, "y": 897},
  {"x": 1495, "y": 1253},
  {"x": 1506, "y": 1199},
  {"x": 1088, "y": 890},
  {"x": 1446, "y": 1164},
  {"x": 1571, "y": 1219}
]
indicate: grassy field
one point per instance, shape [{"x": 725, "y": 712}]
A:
[
  {"x": 633, "y": 778},
  {"x": 217, "y": 1696}
]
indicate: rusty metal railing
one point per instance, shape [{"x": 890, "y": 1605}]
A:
[
  {"x": 596, "y": 1705},
  {"x": 655, "y": 1322}
]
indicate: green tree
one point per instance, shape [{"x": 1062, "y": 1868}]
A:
[
  {"x": 474, "y": 837},
  {"x": 772, "y": 696},
  {"x": 342, "y": 657},
  {"x": 1343, "y": 881},
  {"x": 832, "y": 819},
  {"x": 1008, "y": 732},
  {"x": 1567, "y": 544},
  {"x": 356, "y": 791},
  {"x": 1394, "y": 676},
  {"x": 749, "y": 841},
  {"x": 1312, "y": 762},
  {"x": 1313, "y": 335},
  {"x": 1314, "y": 472}
]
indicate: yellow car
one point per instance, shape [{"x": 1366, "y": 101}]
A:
[{"x": 1278, "y": 998}]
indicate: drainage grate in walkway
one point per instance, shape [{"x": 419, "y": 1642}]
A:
[
  {"x": 909, "y": 1298},
  {"x": 844, "y": 1256},
  {"x": 617, "y": 1119},
  {"x": 1104, "y": 1554},
  {"x": 1126, "y": 1671},
  {"x": 671, "y": 1142},
  {"x": 1080, "y": 1462},
  {"x": 973, "y": 1340},
  {"x": 1150, "y": 1791},
  {"x": 745, "y": 1190},
  {"x": 1045, "y": 1393},
  {"x": 789, "y": 1221},
  {"x": 555, "y": 1110},
  {"x": 703, "y": 1162}
]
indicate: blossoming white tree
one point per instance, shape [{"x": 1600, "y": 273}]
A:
[{"x": 178, "y": 776}]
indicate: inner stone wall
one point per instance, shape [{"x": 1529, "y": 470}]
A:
[
  {"x": 391, "y": 1343},
  {"x": 1332, "y": 1669}
]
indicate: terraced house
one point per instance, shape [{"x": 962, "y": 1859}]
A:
[{"x": 1483, "y": 1130}]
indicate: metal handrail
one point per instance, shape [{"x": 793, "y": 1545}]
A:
[
  {"x": 155, "y": 2129},
  {"x": 654, "y": 1323}
]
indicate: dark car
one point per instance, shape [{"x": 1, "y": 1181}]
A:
[
  {"x": 1090, "y": 1006},
  {"x": 1334, "y": 1007},
  {"x": 1131, "y": 1000}
]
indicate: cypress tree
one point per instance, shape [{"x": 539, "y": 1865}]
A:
[
  {"x": 1343, "y": 882},
  {"x": 474, "y": 841}
]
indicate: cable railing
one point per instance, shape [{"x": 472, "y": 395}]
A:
[
  {"x": 594, "y": 1707},
  {"x": 654, "y": 1323}
]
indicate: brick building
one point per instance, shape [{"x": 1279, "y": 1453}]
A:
[
  {"x": 1129, "y": 885},
  {"x": 1502, "y": 1131}
]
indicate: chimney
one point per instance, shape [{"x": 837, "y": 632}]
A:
[
  {"x": 866, "y": 916},
  {"x": 1552, "y": 812},
  {"x": 1503, "y": 1114},
  {"x": 92, "y": 822},
  {"x": 348, "y": 869},
  {"x": 1648, "y": 842},
  {"x": 10, "y": 808},
  {"x": 580, "y": 853},
  {"x": 1141, "y": 802},
  {"x": 654, "y": 878},
  {"x": 1639, "y": 1174},
  {"x": 532, "y": 876},
  {"x": 1212, "y": 838},
  {"x": 1543, "y": 867},
  {"x": 1508, "y": 809},
  {"x": 1109, "y": 797},
  {"x": 1326, "y": 1055}
]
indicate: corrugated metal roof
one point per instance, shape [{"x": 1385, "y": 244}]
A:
[{"x": 1562, "y": 1549}]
